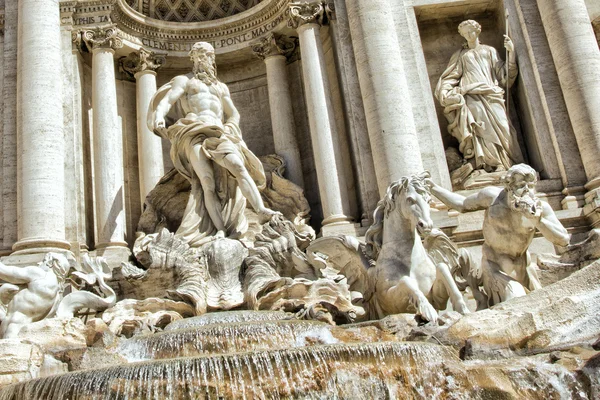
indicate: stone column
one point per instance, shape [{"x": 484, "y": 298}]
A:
[
  {"x": 356, "y": 121},
  {"x": 306, "y": 17},
  {"x": 577, "y": 60},
  {"x": 40, "y": 136},
  {"x": 107, "y": 143},
  {"x": 9, "y": 130},
  {"x": 383, "y": 82},
  {"x": 142, "y": 66},
  {"x": 274, "y": 49}
]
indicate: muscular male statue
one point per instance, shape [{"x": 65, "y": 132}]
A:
[
  {"x": 512, "y": 215},
  {"x": 196, "y": 113},
  {"x": 36, "y": 292}
]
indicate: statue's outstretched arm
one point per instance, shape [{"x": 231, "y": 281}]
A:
[
  {"x": 18, "y": 275},
  {"x": 551, "y": 227},
  {"x": 477, "y": 201}
]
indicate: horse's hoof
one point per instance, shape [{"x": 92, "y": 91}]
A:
[
  {"x": 463, "y": 309},
  {"x": 426, "y": 311}
]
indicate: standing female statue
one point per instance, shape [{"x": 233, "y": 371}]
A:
[{"x": 470, "y": 92}]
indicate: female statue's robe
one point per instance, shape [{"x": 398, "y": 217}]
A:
[
  {"x": 217, "y": 140},
  {"x": 479, "y": 120}
]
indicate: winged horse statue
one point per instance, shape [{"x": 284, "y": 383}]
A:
[{"x": 394, "y": 271}]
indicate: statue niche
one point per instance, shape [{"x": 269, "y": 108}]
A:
[{"x": 472, "y": 91}]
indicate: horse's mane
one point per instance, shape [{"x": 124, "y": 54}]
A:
[{"x": 374, "y": 235}]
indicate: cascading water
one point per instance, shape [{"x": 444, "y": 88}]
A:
[
  {"x": 226, "y": 338},
  {"x": 257, "y": 356},
  {"x": 381, "y": 370}
]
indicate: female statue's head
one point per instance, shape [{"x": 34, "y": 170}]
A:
[{"x": 469, "y": 29}]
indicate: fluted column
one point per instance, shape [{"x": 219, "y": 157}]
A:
[
  {"x": 142, "y": 66},
  {"x": 107, "y": 141},
  {"x": 383, "y": 82},
  {"x": 40, "y": 137},
  {"x": 577, "y": 60},
  {"x": 306, "y": 18},
  {"x": 273, "y": 49}
]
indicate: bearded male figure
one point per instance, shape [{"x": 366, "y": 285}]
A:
[
  {"x": 470, "y": 90},
  {"x": 512, "y": 215},
  {"x": 195, "y": 112}
]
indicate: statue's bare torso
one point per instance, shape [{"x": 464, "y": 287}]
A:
[
  {"x": 506, "y": 232},
  {"x": 202, "y": 100}
]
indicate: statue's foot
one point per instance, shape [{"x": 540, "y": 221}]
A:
[
  {"x": 219, "y": 235},
  {"x": 266, "y": 214}
]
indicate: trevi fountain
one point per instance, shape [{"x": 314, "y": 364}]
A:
[{"x": 281, "y": 199}]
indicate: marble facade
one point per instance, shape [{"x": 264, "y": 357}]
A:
[
  {"x": 344, "y": 94},
  {"x": 124, "y": 180}
]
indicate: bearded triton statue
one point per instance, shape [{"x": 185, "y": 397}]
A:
[
  {"x": 512, "y": 215},
  {"x": 195, "y": 112},
  {"x": 470, "y": 90}
]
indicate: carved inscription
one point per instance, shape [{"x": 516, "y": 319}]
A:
[{"x": 225, "y": 42}]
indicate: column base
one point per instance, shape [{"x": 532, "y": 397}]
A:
[
  {"x": 36, "y": 246},
  {"x": 31, "y": 259},
  {"x": 591, "y": 209},
  {"x": 574, "y": 198},
  {"x": 341, "y": 225},
  {"x": 113, "y": 253}
]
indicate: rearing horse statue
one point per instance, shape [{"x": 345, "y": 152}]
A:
[{"x": 394, "y": 271}]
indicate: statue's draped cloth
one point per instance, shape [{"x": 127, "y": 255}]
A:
[
  {"x": 480, "y": 122},
  {"x": 217, "y": 141}
]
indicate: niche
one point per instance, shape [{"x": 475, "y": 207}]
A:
[{"x": 438, "y": 29}]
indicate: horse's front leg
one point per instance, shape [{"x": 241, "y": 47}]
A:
[
  {"x": 417, "y": 298},
  {"x": 445, "y": 276}
]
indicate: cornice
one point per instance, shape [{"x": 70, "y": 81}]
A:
[{"x": 230, "y": 33}]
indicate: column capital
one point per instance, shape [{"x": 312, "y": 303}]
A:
[
  {"x": 306, "y": 12},
  {"x": 99, "y": 38},
  {"x": 330, "y": 10},
  {"x": 142, "y": 60},
  {"x": 274, "y": 44}
]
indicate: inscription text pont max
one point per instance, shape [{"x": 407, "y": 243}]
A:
[{"x": 225, "y": 42}]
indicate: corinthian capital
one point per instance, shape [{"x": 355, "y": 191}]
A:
[
  {"x": 104, "y": 38},
  {"x": 306, "y": 12},
  {"x": 274, "y": 44},
  {"x": 142, "y": 60}
]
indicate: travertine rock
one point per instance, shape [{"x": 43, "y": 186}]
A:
[
  {"x": 573, "y": 258},
  {"x": 20, "y": 361},
  {"x": 555, "y": 317},
  {"x": 54, "y": 334},
  {"x": 129, "y": 317}
]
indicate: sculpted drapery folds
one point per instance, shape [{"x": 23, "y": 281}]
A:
[
  {"x": 195, "y": 112},
  {"x": 471, "y": 92}
]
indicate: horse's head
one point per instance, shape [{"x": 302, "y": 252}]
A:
[
  {"x": 409, "y": 198},
  {"x": 413, "y": 200}
]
